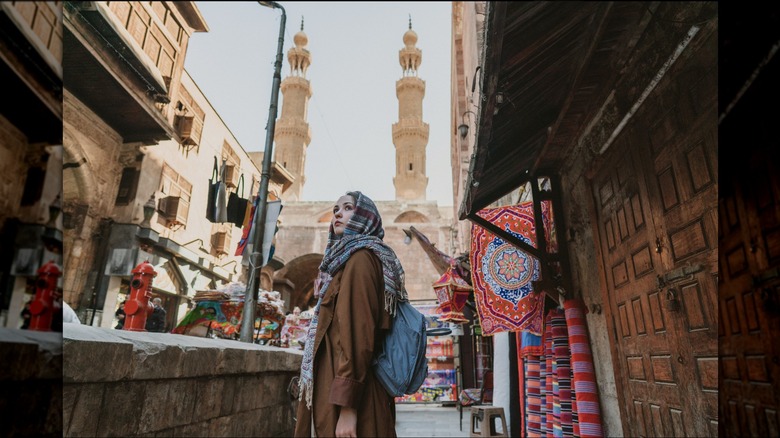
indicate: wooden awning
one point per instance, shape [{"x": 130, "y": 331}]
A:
[{"x": 547, "y": 67}]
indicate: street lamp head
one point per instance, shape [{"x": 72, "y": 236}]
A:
[
  {"x": 269, "y": 4},
  {"x": 408, "y": 237},
  {"x": 149, "y": 208},
  {"x": 463, "y": 129},
  {"x": 54, "y": 211}
]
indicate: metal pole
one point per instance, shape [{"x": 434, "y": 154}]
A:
[{"x": 255, "y": 262}]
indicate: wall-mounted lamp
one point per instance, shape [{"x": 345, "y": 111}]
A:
[
  {"x": 463, "y": 129},
  {"x": 201, "y": 247},
  {"x": 149, "y": 209},
  {"x": 54, "y": 212},
  {"x": 408, "y": 238},
  {"x": 230, "y": 262}
]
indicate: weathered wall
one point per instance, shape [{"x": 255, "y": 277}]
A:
[
  {"x": 31, "y": 383},
  {"x": 585, "y": 278},
  {"x": 159, "y": 384}
]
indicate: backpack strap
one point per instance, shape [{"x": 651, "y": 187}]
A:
[{"x": 214, "y": 172}]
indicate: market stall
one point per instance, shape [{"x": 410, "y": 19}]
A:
[{"x": 218, "y": 313}]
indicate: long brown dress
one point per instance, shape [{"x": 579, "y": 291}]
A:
[{"x": 352, "y": 320}]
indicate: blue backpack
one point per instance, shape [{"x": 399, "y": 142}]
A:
[{"x": 401, "y": 365}]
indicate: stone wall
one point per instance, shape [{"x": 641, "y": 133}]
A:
[
  {"x": 31, "y": 383},
  {"x": 121, "y": 383}
]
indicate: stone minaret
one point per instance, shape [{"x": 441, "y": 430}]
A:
[
  {"x": 292, "y": 135},
  {"x": 410, "y": 134}
]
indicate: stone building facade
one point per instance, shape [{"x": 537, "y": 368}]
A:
[
  {"x": 30, "y": 149},
  {"x": 138, "y": 171}
]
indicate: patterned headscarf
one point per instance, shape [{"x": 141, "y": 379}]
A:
[{"x": 364, "y": 230}]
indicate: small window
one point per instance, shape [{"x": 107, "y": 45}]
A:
[
  {"x": 33, "y": 186},
  {"x": 410, "y": 166},
  {"x": 127, "y": 186}
]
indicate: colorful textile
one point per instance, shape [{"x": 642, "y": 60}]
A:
[
  {"x": 533, "y": 403},
  {"x": 364, "y": 230},
  {"x": 549, "y": 380},
  {"x": 586, "y": 395},
  {"x": 562, "y": 357},
  {"x": 502, "y": 274},
  {"x": 531, "y": 344},
  {"x": 521, "y": 385}
]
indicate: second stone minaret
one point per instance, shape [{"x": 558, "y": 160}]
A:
[
  {"x": 292, "y": 134},
  {"x": 410, "y": 134}
]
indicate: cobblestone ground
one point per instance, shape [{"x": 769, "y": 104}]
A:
[{"x": 423, "y": 420}]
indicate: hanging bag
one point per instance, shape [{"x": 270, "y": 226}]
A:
[
  {"x": 221, "y": 208},
  {"x": 211, "y": 202},
  {"x": 237, "y": 205}
]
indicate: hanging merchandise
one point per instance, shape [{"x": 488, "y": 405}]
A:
[
  {"x": 503, "y": 275},
  {"x": 237, "y": 205},
  {"x": 558, "y": 391},
  {"x": 273, "y": 209},
  {"x": 452, "y": 291},
  {"x": 247, "y": 233},
  {"x": 211, "y": 203},
  {"x": 221, "y": 208}
]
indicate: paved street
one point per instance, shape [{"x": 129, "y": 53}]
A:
[{"x": 418, "y": 420}]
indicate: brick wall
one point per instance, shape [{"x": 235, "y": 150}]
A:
[{"x": 161, "y": 384}]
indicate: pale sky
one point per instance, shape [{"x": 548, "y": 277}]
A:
[{"x": 354, "y": 48}]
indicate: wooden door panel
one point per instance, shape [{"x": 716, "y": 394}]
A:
[
  {"x": 651, "y": 386},
  {"x": 750, "y": 323},
  {"x": 656, "y": 205}
]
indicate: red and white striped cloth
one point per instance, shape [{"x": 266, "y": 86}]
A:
[{"x": 585, "y": 389}]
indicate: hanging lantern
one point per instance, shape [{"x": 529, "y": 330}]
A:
[{"x": 452, "y": 291}]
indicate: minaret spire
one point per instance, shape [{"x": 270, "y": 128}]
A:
[
  {"x": 292, "y": 135},
  {"x": 410, "y": 134}
]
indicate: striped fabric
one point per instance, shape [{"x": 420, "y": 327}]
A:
[
  {"x": 586, "y": 393},
  {"x": 521, "y": 384},
  {"x": 533, "y": 397},
  {"x": 549, "y": 379},
  {"x": 560, "y": 341}
]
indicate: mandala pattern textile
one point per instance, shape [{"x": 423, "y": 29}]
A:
[{"x": 502, "y": 274}]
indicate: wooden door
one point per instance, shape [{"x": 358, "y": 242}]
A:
[
  {"x": 655, "y": 199},
  {"x": 748, "y": 300}
]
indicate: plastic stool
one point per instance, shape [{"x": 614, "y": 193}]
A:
[{"x": 488, "y": 415}]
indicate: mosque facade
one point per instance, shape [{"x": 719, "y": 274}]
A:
[{"x": 304, "y": 225}]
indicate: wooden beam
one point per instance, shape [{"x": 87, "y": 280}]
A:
[{"x": 508, "y": 238}]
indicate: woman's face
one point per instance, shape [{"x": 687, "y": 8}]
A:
[{"x": 342, "y": 213}]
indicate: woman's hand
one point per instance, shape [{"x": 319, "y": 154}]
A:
[{"x": 347, "y": 424}]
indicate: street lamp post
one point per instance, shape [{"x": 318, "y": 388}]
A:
[{"x": 256, "y": 263}]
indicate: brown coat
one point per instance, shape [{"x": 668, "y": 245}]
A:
[{"x": 352, "y": 320}]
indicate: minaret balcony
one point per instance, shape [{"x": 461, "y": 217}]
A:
[
  {"x": 409, "y": 83},
  {"x": 293, "y": 127},
  {"x": 411, "y": 127},
  {"x": 293, "y": 82}
]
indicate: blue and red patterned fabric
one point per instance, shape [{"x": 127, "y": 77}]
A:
[{"x": 502, "y": 274}]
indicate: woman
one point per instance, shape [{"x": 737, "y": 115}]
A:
[{"x": 359, "y": 283}]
